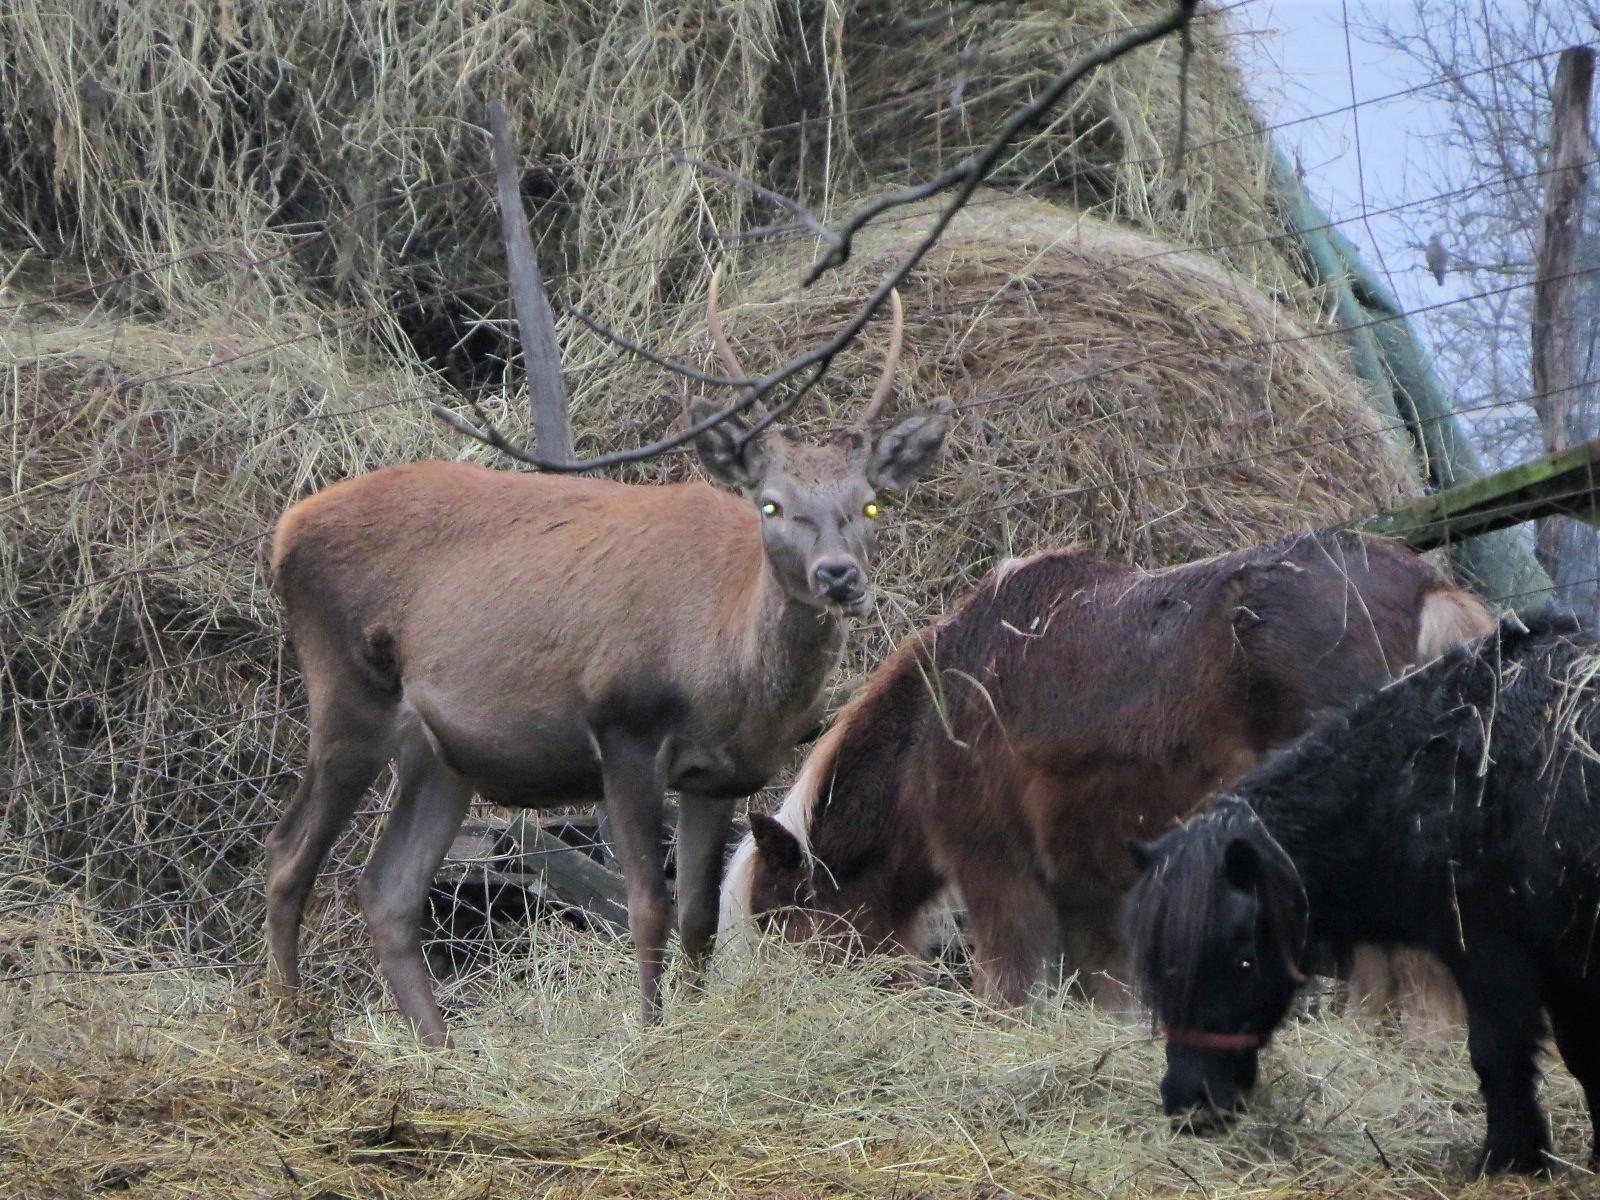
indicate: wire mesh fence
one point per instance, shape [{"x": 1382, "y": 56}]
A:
[{"x": 153, "y": 719}]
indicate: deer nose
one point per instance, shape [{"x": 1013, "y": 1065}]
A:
[{"x": 838, "y": 579}]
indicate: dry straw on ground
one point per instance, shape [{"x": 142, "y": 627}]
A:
[
  {"x": 783, "y": 1081},
  {"x": 302, "y": 164}
]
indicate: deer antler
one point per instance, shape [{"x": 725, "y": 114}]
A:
[
  {"x": 885, "y": 388},
  {"x": 719, "y": 337}
]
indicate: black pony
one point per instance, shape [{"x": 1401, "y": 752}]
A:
[{"x": 1456, "y": 810}]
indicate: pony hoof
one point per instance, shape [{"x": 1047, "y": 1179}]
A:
[
  {"x": 1205, "y": 1122},
  {"x": 1512, "y": 1162}
]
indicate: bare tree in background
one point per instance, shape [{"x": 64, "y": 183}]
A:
[{"x": 1493, "y": 65}]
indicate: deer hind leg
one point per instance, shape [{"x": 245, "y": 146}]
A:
[
  {"x": 347, "y": 752},
  {"x": 702, "y": 839},
  {"x": 427, "y": 814},
  {"x": 635, "y": 789}
]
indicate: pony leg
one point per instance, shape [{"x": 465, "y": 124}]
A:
[
  {"x": 1504, "y": 1028},
  {"x": 1095, "y": 951},
  {"x": 702, "y": 840},
  {"x": 394, "y": 887},
  {"x": 1014, "y": 926},
  {"x": 1572, "y": 1019}
]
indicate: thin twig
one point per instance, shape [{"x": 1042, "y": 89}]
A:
[
  {"x": 815, "y": 363},
  {"x": 803, "y": 215},
  {"x": 666, "y": 364}
]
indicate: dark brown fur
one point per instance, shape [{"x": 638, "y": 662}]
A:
[{"x": 1068, "y": 705}]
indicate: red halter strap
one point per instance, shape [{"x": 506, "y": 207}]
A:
[{"x": 1205, "y": 1040}]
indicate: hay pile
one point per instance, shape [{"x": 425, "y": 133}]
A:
[
  {"x": 1106, "y": 398},
  {"x": 145, "y": 697},
  {"x": 783, "y": 1082},
  {"x": 339, "y": 146}
]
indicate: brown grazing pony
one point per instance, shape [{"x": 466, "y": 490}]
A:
[{"x": 1067, "y": 705}]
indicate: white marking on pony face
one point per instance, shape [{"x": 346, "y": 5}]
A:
[
  {"x": 734, "y": 917},
  {"x": 735, "y": 925}
]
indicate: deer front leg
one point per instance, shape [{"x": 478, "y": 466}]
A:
[
  {"x": 702, "y": 839},
  {"x": 635, "y": 787}
]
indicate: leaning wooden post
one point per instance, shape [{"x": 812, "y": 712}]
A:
[
  {"x": 1555, "y": 289},
  {"x": 536, "y": 323}
]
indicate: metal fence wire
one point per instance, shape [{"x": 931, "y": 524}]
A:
[{"x": 153, "y": 722}]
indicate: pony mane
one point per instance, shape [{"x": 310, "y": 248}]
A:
[
  {"x": 802, "y": 805},
  {"x": 1168, "y": 916}
]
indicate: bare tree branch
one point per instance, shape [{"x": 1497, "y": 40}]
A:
[
  {"x": 536, "y": 324},
  {"x": 666, "y": 364},
  {"x": 810, "y": 367}
]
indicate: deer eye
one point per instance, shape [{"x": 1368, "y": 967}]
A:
[
  {"x": 871, "y": 509},
  {"x": 771, "y": 509},
  {"x": 1245, "y": 964}
]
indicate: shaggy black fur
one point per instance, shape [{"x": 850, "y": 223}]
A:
[{"x": 1457, "y": 810}]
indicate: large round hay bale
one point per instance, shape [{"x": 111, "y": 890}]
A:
[
  {"x": 339, "y": 148},
  {"x": 1111, "y": 392},
  {"x": 151, "y": 719}
]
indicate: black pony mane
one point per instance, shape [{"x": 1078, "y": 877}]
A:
[{"x": 1169, "y": 915}]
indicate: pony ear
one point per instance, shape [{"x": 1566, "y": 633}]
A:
[
  {"x": 1142, "y": 853},
  {"x": 775, "y": 843},
  {"x": 1241, "y": 864}
]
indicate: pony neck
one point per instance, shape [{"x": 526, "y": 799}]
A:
[
  {"x": 850, "y": 798},
  {"x": 1317, "y": 801}
]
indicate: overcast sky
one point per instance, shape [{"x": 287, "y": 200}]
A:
[{"x": 1301, "y": 63}]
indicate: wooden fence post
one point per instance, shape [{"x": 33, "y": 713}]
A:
[{"x": 1556, "y": 318}]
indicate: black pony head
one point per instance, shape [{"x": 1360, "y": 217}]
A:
[{"x": 1216, "y": 926}]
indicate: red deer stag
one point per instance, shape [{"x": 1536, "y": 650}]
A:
[
  {"x": 542, "y": 639},
  {"x": 1067, "y": 705}
]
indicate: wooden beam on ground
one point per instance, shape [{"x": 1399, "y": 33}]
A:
[
  {"x": 1564, "y": 483},
  {"x": 564, "y": 874}
]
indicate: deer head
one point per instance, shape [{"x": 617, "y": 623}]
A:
[{"x": 819, "y": 499}]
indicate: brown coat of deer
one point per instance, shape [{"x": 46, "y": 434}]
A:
[{"x": 542, "y": 640}]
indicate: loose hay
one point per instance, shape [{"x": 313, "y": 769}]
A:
[
  {"x": 1109, "y": 396},
  {"x": 341, "y": 143},
  {"x": 786, "y": 1080}
]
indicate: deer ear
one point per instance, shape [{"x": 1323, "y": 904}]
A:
[
  {"x": 776, "y": 844},
  {"x": 904, "y": 451},
  {"x": 1241, "y": 864},
  {"x": 720, "y": 448}
]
